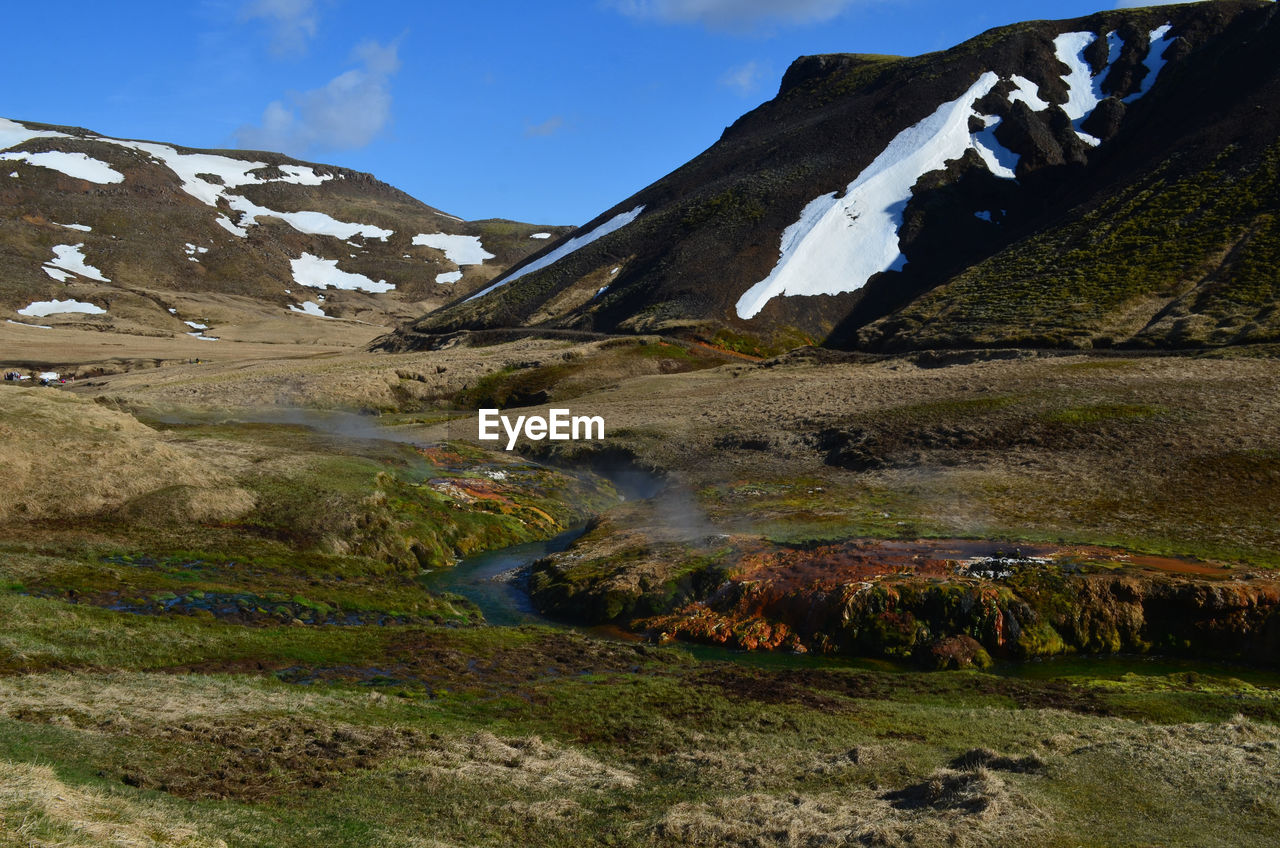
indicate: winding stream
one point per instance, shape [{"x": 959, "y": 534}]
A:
[{"x": 480, "y": 579}]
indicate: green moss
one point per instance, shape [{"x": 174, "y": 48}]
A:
[
  {"x": 1086, "y": 415},
  {"x": 781, "y": 340},
  {"x": 1152, "y": 240}
]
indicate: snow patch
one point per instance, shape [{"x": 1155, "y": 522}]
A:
[
  {"x": 983, "y": 216},
  {"x": 599, "y": 292},
  {"x": 449, "y": 277},
  {"x": 1154, "y": 63},
  {"x": 202, "y": 337},
  {"x": 460, "y": 250},
  {"x": 308, "y": 308},
  {"x": 1028, "y": 92},
  {"x": 69, "y": 257},
  {"x": 33, "y": 326},
  {"x": 540, "y": 235},
  {"x": 45, "y": 308},
  {"x": 225, "y": 222},
  {"x": 302, "y": 175},
  {"x": 841, "y": 242},
  {"x": 13, "y": 133},
  {"x": 193, "y": 325},
  {"x": 615, "y": 223},
  {"x": 318, "y": 273},
  {"x": 999, "y": 159},
  {"x": 76, "y": 165},
  {"x": 1084, "y": 88},
  {"x": 311, "y": 223},
  {"x": 81, "y": 227}
]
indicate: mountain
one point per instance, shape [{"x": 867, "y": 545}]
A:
[
  {"x": 1112, "y": 180},
  {"x": 157, "y": 239}
]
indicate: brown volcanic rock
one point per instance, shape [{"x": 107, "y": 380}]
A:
[{"x": 155, "y": 241}]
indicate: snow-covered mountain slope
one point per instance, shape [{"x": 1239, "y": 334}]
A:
[
  {"x": 871, "y": 186},
  {"x": 138, "y": 229}
]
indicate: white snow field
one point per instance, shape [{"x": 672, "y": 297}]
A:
[
  {"x": 1084, "y": 88},
  {"x": 614, "y": 224},
  {"x": 193, "y": 325},
  {"x": 840, "y": 242},
  {"x": 13, "y": 133},
  {"x": 460, "y": 250},
  {"x": 311, "y": 223},
  {"x": 45, "y": 308},
  {"x": 70, "y": 257},
  {"x": 233, "y": 173},
  {"x": 321, "y": 273},
  {"x": 449, "y": 277},
  {"x": 540, "y": 235},
  {"x": 77, "y": 165}
]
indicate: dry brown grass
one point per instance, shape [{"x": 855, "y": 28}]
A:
[
  {"x": 38, "y": 810},
  {"x": 972, "y": 807},
  {"x": 526, "y": 761},
  {"x": 133, "y": 702},
  {"x": 66, "y": 457}
]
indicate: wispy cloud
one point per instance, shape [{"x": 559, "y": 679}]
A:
[
  {"x": 548, "y": 127},
  {"x": 744, "y": 79},
  {"x": 346, "y": 113},
  {"x": 733, "y": 14},
  {"x": 295, "y": 23}
]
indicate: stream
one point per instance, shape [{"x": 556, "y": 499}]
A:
[
  {"x": 479, "y": 579},
  {"x": 491, "y": 581}
]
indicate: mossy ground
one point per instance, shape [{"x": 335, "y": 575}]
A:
[
  {"x": 423, "y": 728},
  {"x": 411, "y": 735}
]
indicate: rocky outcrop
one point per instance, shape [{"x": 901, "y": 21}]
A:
[
  {"x": 941, "y": 603},
  {"x": 963, "y": 623}
]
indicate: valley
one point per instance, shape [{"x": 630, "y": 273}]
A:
[
  {"x": 229, "y": 635},
  {"x": 932, "y": 499}
]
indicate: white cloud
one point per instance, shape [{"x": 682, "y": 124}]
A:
[
  {"x": 743, "y": 79},
  {"x": 733, "y": 14},
  {"x": 344, "y": 114},
  {"x": 295, "y": 22},
  {"x": 548, "y": 127}
]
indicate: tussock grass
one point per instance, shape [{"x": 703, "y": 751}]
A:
[
  {"x": 65, "y": 457},
  {"x": 38, "y": 810}
]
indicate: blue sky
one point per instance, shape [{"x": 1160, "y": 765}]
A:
[{"x": 545, "y": 112}]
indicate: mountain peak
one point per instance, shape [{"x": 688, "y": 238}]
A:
[{"x": 872, "y": 185}]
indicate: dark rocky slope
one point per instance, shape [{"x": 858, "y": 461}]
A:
[{"x": 1163, "y": 234}]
